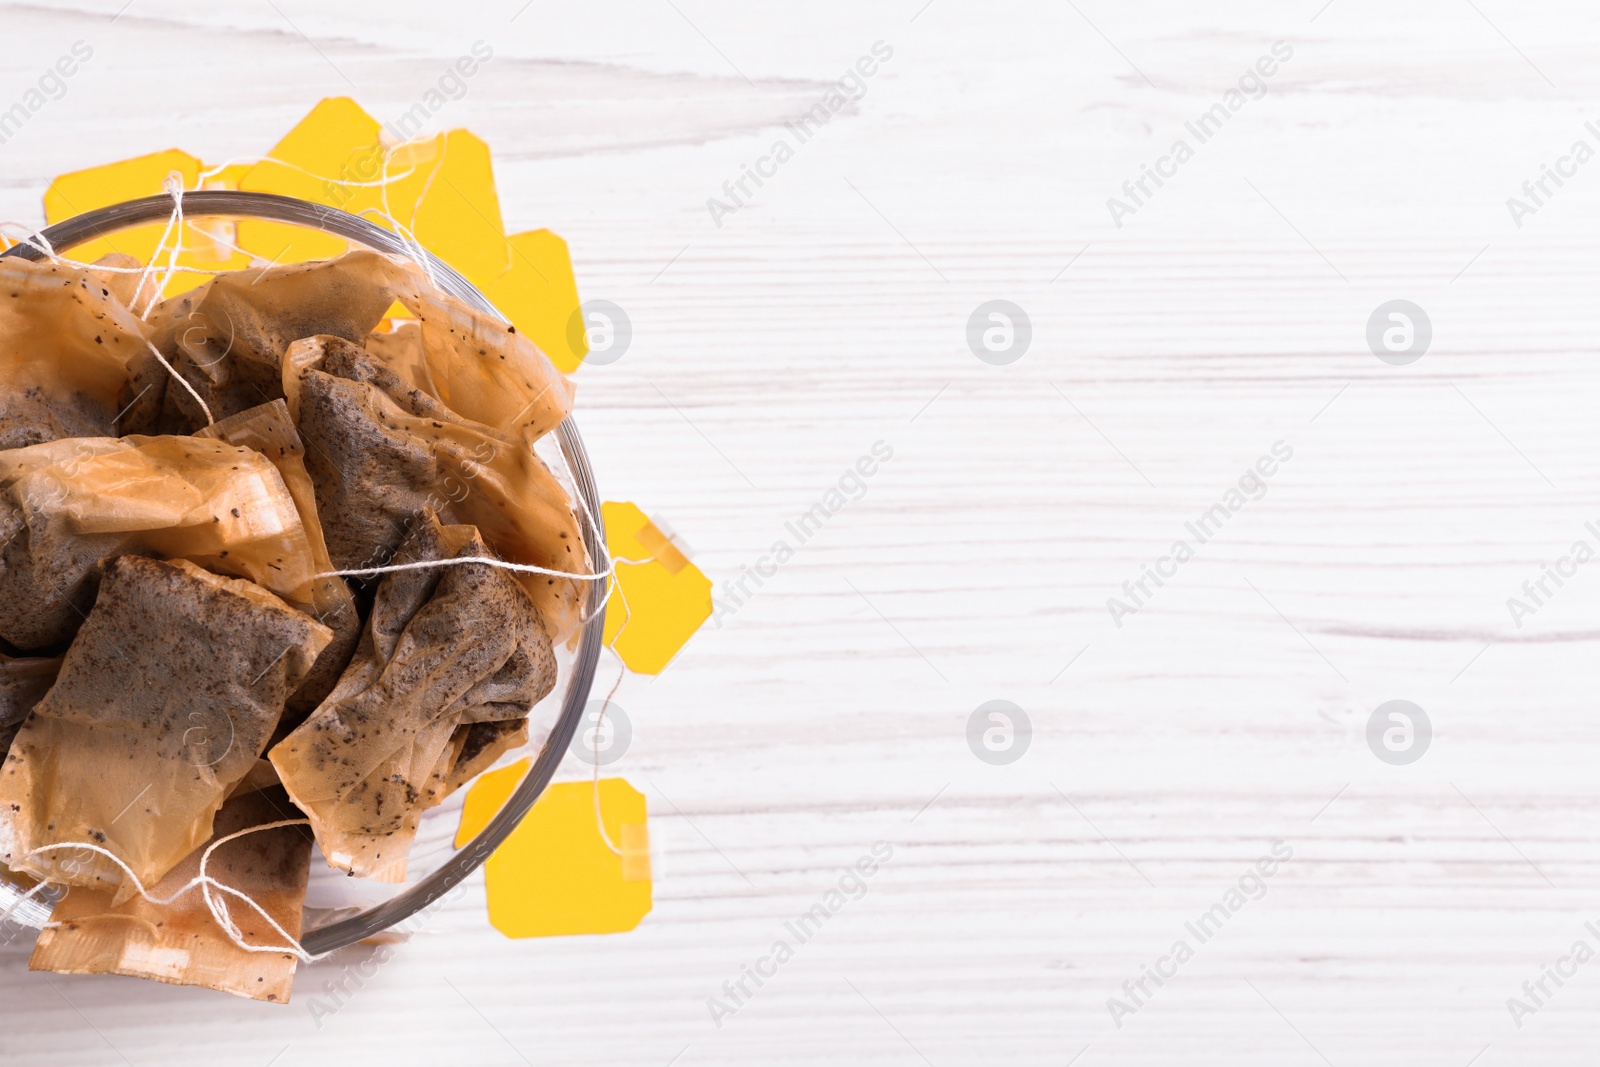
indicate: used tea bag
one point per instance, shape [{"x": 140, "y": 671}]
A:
[
  {"x": 480, "y": 744},
  {"x": 473, "y": 363},
  {"x": 181, "y": 942},
  {"x": 269, "y": 430},
  {"x": 68, "y": 351},
  {"x": 380, "y": 452},
  {"x": 444, "y": 646},
  {"x": 166, "y": 697},
  {"x": 227, "y": 338},
  {"x": 24, "y": 680},
  {"x": 66, "y": 505},
  {"x": 123, "y": 277}
]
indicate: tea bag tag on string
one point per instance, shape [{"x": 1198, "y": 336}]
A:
[
  {"x": 555, "y": 875},
  {"x": 663, "y": 597}
]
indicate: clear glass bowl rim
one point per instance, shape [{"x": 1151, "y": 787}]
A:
[{"x": 103, "y": 222}]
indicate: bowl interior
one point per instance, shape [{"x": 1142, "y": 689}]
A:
[{"x": 339, "y": 910}]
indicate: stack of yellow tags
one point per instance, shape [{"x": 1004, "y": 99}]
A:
[{"x": 439, "y": 191}]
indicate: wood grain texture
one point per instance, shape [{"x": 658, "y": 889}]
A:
[{"x": 829, "y": 712}]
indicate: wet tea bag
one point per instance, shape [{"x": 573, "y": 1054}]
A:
[
  {"x": 123, "y": 277},
  {"x": 24, "y": 680},
  {"x": 382, "y": 451},
  {"x": 66, "y": 505},
  {"x": 478, "y": 366},
  {"x": 371, "y": 478},
  {"x": 68, "y": 351},
  {"x": 181, "y": 942},
  {"x": 269, "y": 430},
  {"x": 444, "y": 646},
  {"x": 227, "y": 338},
  {"x": 166, "y": 697},
  {"x": 479, "y": 745}
]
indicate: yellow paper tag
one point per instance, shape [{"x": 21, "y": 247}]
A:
[
  {"x": 554, "y": 875},
  {"x": 447, "y": 199},
  {"x": 205, "y": 242},
  {"x": 540, "y": 295},
  {"x": 332, "y": 156},
  {"x": 659, "y": 604}
]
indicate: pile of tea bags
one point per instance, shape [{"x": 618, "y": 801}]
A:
[{"x": 186, "y": 685}]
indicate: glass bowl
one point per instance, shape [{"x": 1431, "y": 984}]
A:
[{"x": 339, "y": 910}]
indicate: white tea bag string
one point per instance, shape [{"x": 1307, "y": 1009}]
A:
[
  {"x": 181, "y": 380},
  {"x": 406, "y": 231},
  {"x": 206, "y": 883},
  {"x": 173, "y": 187},
  {"x": 409, "y": 239},
  {"x": 610, "y": 562},
  {"x": 490, "y": 561},
  {"x": 522, "y": 568},
  {"x": 382, "y": 183},
  {"x": 219, "y": 909}
]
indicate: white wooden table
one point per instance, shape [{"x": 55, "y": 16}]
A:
[{"x": 830, "y": 711}]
